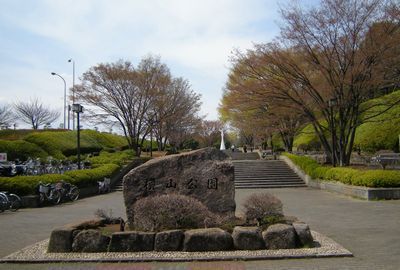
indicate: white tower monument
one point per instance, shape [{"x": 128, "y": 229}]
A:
[{"x": 222, "y": 141}]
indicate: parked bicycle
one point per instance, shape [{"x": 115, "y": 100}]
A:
[
  {"x": 67, "y": 190},
  {"x": 9, "y": 201},
  {"x": 48, "y": 192},
  {"x": 7, "y": 169},
  {"x": 104, "y": 186}
]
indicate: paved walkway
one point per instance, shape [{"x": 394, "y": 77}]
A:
[{"x": 371, "y": 230}]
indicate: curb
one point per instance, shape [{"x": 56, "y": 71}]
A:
[
  {"x": 337, "y": 187},
  {"x": 37, "y": 254}
]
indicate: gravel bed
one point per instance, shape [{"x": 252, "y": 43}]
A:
[{"x": 37, "y": 253}]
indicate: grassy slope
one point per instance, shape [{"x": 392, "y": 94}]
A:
[
  {"x": 59, "y": 144},
  {"x": 380, "y": 133}
]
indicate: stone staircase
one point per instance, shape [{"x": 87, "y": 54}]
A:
[
  {"x": 238, "y": 155},
  {"x": 118, "y": 186},
  {"x": 251, "y": 174}
]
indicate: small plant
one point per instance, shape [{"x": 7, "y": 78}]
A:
[
  {"x": 173, "y": 211},
  {"x": 103, "y": 213},
  {"x": 263, "y": 207}
]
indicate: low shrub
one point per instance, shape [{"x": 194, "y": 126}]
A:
[
  {"x": 106, "y": 140},
  {"x": 115, "y": 157},
  {"x": 262, "y": 207},
  {"x": 377, "y": 178},
  {"x": 26, "y": 185},
  {"x": 21, "y": 150},
  {"x": 369, "y": 178},
  {"x": 59, "y": 144},
  {"x": 85, "y": 178},
  {"x": 172, "y": 211}
]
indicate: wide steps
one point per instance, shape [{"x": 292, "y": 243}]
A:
[
  {"x": 118, "y": 186},
  {"x": 237, "y": 155},
  {"x": 253, "y": 174}
]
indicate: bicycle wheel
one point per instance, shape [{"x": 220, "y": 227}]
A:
[
  {"x": 15, "y": 202},
  {"x": 41, "y": 198},
  {"x": 55, "y": 196},
  {"x": 3, "y": 203},
  {"x": 73, "y": 193}
]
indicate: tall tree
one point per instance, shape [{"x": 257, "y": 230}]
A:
[
  {"x": 35, "y": 113},
  {"x": 247, "y": 106},
  {"x": 145, "y": 100},
  {"x": 122, "y": 92},
  {"x": 322, "y": 68},
  {"x": 175, "y": 113},
  {"x": 210, "y": 132}
]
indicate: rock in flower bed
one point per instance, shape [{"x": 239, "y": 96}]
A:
[
  {"x": 86, "y": 237},
  {"x": 175, "y": 222}
]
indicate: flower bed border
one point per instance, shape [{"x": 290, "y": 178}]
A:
[
  {"x": 365, "y": 193},
  {"x": 37, "y": 254}
]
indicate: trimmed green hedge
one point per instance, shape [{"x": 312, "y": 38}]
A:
[
  {"x": 26, "y": 185},
  {"x": 85, "y": 178},
  {"x": 116, "y": 157},
  {"x": 367, "y": 178},
  {"x": 57, "y": 143},
  {"x": 106, "y": 140},
  {"x": 62, "y": 144},
  {"x": 21, "y": 149}
]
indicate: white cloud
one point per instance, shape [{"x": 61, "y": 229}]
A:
[{"x": 193, "y": 35}]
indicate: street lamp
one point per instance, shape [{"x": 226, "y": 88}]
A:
[
  {"x": 73, "y": 89},
  {"x": 65, "y": 93},
  {"x": 332, "y": 103},
  {"x": 78, "y": 108}
]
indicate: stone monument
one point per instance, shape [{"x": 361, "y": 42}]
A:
[
  {"x": 222, "y": 147},
  {"x": 206, "y": 174}
]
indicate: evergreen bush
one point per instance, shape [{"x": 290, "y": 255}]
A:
[{"x": 367, "y": 178}]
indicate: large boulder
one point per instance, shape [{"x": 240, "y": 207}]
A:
[
  {"x": 280, "y": 236},
  {"x": 212, "y": 239},
  {"x": 61, "y": 239},
  {"x": 205, "y": 174},
  {"x": 303, "y": 232},
  {"x": 90, "y": 241},
  {"x": 131, "y": 241},
  {"x": 169, "y": 240},
  {"x": 247, "y": 238}
]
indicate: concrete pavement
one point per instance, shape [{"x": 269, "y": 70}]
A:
[{"x": 371, "y": 230}]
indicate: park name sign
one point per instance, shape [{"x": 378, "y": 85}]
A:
[{"x": 206, "y": 174}]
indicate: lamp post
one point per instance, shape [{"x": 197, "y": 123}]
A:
[
  {"x": 78, "y": 108},
  {"x": 331, "y": 103},
  {"x": 65, "y": 94},
  {"x": 73, "y": 89}
]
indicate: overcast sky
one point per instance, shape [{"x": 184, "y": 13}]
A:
[{"x": 194, "y": 38}]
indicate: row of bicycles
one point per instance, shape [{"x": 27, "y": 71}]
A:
[
  {"x": 54, "y": 193},
  {"x": 9, "y": 201},
  {"x": 39, "y": 167},
  {"x": 50, "y": 193}
]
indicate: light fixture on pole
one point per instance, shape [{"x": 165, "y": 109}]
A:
[
  {"x": 73, "y": 89},
  {"x": 78, "y": 108},
  {"x": 65, "y": 94}
]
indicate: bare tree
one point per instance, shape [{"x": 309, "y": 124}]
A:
[
  {"x": 143, "y": 100},
  {"x": 6, "y": 116},
  {"x": 176, "y": 113},
  {"x": 323, "y": 67},
  {"x": 209, "y": 132},
  {"x": 35, "y": 113}
]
